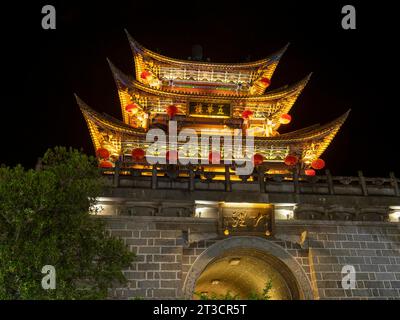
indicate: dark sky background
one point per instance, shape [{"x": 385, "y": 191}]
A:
[{"x": 353, "y": 69}]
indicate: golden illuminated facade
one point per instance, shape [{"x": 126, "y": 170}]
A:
[{"x": 213, "y": 97}]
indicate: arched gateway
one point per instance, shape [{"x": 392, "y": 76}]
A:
[{"x": 242, "y": 265}]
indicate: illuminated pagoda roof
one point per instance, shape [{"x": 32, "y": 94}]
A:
[
  {"x": 159, "y": 92},
  {"x": 154, "y": 101},
  {"x": 119, "y": 138},
  {"x": 248, "y": 78}
]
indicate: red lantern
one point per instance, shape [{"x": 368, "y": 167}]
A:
[
  {"x": 132, "y": 108},
  {"x": 103, "y": 153},
  {"x": 172, "y": 156},
  {"x": 309, "y": 172},
  {"x": 138, "y": 154},
  {"x": 214, "y": 157},
  {"x": 172, "y": 110},
  {"x": 258, "y": 159},
  {"x": 265, "y": 81},
  {"x": 105, "y": 164},
  {"x": 318, "y": 164},
  {"x": 291, "y": 160},
  {"x": 145, "y": 74},
  {"x": 246, "y": 114},
  {"x": 285, "y": 118}
]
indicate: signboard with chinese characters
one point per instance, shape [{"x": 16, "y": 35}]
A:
[
  {"x": 247, "y": 219},
  {"x": 216, "y": 110}
]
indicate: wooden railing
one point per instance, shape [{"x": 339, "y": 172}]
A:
[{"x": 194, "y": 179}]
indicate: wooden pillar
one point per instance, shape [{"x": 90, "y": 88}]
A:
[
  {"x": 116, "y": 174},
  {"x": 394, "y": 183},
  {"x": 228, "y": 186},
  {"x": 154, "y": 177},
  {"x": 261, "y": 179},
  {"x": 191, "y": 179},
  {"x": 296, "y": 185},
  {"x": 220, "y": 219},
  {"x": 330, "y": 181},
  {"x": 362, "y": 183}
]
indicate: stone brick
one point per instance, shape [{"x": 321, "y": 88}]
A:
[
  {"x": 164, "y": 293},
  {"x": 323, "y": 260},
  {"x": 393, "y": 268},
  {"x": 362, "y": 237},
  {"x": 394, "y": 230},
  {"x": 373, "y": 284},
  {"x": 150, "y": 234},
  {"x": 171, "y": 234},
  {"x": 380, "y": 260},
  {"x": 361, "y": 292},
  {"x": 350, "y": 244},
  {"x": 335, "y": 293},
  {"x": 323, "y": 267},
  {"x": 168, "y": 275},
  {"x": 331, "y": 276},
  {"x": 394, "y": 246},
  {"x": 185, "y": 260},
  {"x": 390, "y": 252},
  {"x": 164, "y": 258},
  {"x": 327, "y": 284},
  {"x": 188, "y": 252},
  {"x": 354, "y": 260},
  {"x": 340, "y": 252},
  {"x": 147, "y": 284},
  {"x": 165, "y": 242},
  {"x": 365, "y": 252},
  {"x": 362, "y": 276},
  {"x": 136, "y": 293},
  {"x": 170, "y": 266},
  {"x": 149, "y": 266},
  {"x": 136, "y": 242},
  {"x": 115, "y": 225},
  {"x": 388, "y": 292},
  {"x": 336, "y": 237},
  {"x": 156, "y": 275},
  {"x": 385, "y": 276},
  {"x": 151, "y": 250},
  {"x": 130, "y": 275},
  {"x": 347, "y": 229},
  {"x": 316, "y": 244},
  {"x": 395, "y": 284},
  {"x": 369, "y": 268},
  {"x": 168, "y": 250},
  {"x": 170, "y": 283},
  {"x": 139, "y": 258},
  {"x": 137, "y": 226},
  {"x": 375, "y": 245},
  {"x": 199, "y": 251}
]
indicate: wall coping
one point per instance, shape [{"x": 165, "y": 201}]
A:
[{"x": 278, "y": 222}]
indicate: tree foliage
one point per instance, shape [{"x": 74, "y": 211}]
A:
[{"x": 45, "y": 220}]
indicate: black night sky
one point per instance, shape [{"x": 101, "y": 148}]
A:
[{"x": 353, "y": 69}]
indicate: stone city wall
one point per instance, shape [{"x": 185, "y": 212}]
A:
[{"x": 167, "y": 247}]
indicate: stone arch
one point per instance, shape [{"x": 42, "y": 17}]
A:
[{"x": 258, "y": 244}]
